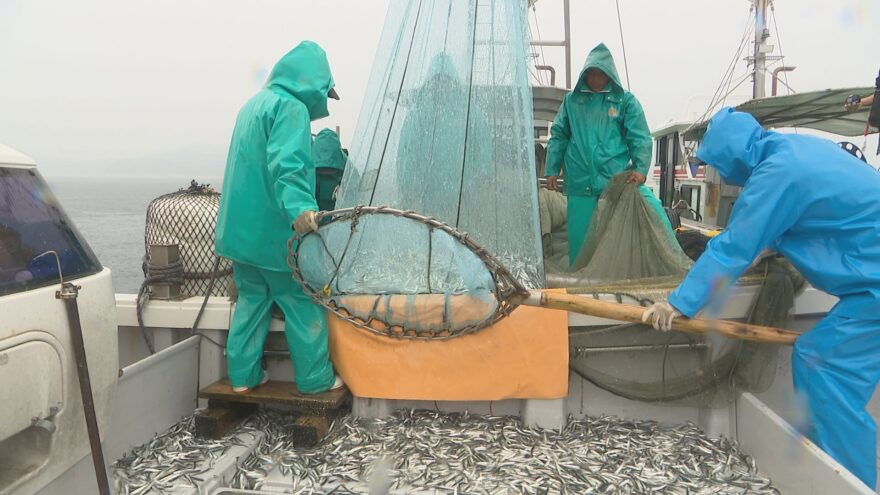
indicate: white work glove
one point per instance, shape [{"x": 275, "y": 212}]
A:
[
  {"x": 852, "y": 103},
  {"x": 661, "y": 315},
  {"x": 305, "y": 223}
]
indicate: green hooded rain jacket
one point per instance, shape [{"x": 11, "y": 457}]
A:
[
  {"x": 330, "y": 162},
  {"x": 270, "y": 177},
  {"x": 598, "y": 135}
]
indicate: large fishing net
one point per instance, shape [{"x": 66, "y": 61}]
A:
[
  {"x": 446, "y": 127},
  {"x": 631, "y": 254},
  {"x": 637, "y": 362},
  {"x": 626, "y": 241},
  {"x": 432, "y": 283},
  {"x": 445, "y": 131}
]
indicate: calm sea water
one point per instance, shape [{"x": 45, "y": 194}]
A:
[{"x": 110, "y": 214}]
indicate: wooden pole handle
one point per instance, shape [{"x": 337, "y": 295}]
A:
[{"x": 632, "y": 313}]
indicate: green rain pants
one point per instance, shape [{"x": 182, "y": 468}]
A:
[
  {"x": 580, "y": 213},
  {"x": 305, "y": 329}
]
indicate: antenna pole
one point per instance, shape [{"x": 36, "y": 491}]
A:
[
  {"x": 761, "y": 49},
  {"x": 567, "y": 20}
]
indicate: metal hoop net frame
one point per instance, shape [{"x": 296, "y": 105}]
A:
[{"x": 437, "y": 283}]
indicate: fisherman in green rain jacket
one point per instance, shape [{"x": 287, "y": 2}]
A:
[
  {"x": 599, "y": 132},
  {"x": 330, "y": 160},
  {"x": 269, "y": 187}
]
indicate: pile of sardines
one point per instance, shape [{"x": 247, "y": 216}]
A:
[{"x": 431, "y": 452}]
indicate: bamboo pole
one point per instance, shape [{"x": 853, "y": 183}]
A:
[{"x": 631, "y": 313}]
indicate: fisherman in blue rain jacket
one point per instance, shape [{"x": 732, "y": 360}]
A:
[{"x": 819, "y": 206}]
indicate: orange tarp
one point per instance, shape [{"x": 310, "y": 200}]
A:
[{"x": 523, "y": 356}]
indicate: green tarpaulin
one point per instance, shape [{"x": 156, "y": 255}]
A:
[{"x": 820, "y": 110}]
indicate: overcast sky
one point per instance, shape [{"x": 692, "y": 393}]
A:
[{"x": 92, "y": 84}]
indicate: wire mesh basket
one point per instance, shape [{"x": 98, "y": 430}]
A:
[{"x": 188, "y": 218}]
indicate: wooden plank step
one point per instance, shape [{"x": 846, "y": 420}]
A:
[
  {"x": 220, "y": 418},
  {"x": 281, "y": 393},
  {"x": 309, "y": 430}
]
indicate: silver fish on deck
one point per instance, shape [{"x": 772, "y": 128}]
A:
[
  {"x": 431, "y": 452},
  {"x": 462, "y": 453},
  {"x": 173, "y": 460}
]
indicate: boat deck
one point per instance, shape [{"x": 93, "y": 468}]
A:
[{"x": 433, "y": 452}]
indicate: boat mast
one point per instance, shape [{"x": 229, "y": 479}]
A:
[
  {"x": 565, "y": 42},
  {"x": 759, "y": 59}
]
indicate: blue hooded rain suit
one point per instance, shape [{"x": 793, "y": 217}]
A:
[
  {"x": 596, "y": 136},
  {"x": 269, "y": 182},
  {"x": 820, "y": 207}
]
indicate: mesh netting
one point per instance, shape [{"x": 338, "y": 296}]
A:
[
  {"x": 188, "y": 218},
  {"x": 446, "y": 130},
  {"x": 435, "y": 283},
  {"x": 627, "y": 244},
  {"x": 630, "y": 254},
  {"x": 627, "y": 240},
  {"x": 637, "y": 362}
]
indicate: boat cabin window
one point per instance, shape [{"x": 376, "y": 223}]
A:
[
  {"x": 31, "y": 223},
  {"x": 691, "y": 194}
]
